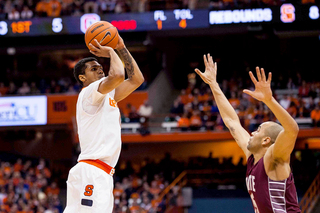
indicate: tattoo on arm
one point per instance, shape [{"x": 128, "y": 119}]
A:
[{"x": 127, "y": 59}]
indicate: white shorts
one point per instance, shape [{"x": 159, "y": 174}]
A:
[{"x": 89, "y": 190}]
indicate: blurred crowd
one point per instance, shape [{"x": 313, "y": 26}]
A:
[
  {"x": 139, "y": 185},
  {"x": 62, "y": 85},
  {"x": 27, "y": 188},
  {"x": 26, "y": 9},
  {"x": 195, "y": 107}
]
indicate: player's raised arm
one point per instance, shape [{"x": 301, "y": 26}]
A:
[
  {"x": 226, "y": 110},
  {"x": 286, "y": 139},
  {"x": 116, "y": 72},
  {"x": 135, "y": 77}
]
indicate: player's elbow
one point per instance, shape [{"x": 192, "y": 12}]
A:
[
  {"x": 293, "y": 131},
  {"x": 117, "y": 76},
  {"x": 140, "y": 80}
]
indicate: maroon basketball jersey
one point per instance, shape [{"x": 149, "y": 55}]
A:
[{"x": 269, "y": 196}]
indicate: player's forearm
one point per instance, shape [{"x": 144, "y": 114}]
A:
[
  {"x": 286, "y": 120},
  {"x": 132, "y": 68},
  {"x": 116, "y": 67},
  {"x": 226, "y": 110}
]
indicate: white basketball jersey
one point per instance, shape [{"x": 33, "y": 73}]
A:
[{"x": 98, "y": 120}]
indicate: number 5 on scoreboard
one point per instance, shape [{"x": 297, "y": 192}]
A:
[{"x": 287, "y": 13}]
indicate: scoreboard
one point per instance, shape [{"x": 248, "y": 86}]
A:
[
  {"x": 286, "y": 16},
  {"x": 149, "y": 21}
]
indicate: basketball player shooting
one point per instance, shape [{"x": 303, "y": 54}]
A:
[
  {"x": 269, "y": 178},
  {"x": 90, "y": 182}
]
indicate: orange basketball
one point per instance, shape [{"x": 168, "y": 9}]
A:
[{"x": 105, "y": 33}]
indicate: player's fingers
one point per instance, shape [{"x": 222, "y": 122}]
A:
[
  {"x": 215, "y": 65},
  {"x": 263, "y": 75},
  {"x": 205, "y": 60},
  {"x": 97, "y": 44},
  {"x": 269, "y": 77},
  {"x": 93, "y": 48},
  {"x": 94, "y": 53},
  {"x": 198, "y": 71},
  {"x": 258, "y": 73},
  {"x": 210, "y": 59},
  {"x": 247, "y": 92},
  {"x": 253, "y": 79}
]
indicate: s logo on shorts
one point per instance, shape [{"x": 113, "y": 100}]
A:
[{"x": 88, "y": 190}]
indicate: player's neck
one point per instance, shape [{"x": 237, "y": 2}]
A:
[{"x": 257, "y": 156}]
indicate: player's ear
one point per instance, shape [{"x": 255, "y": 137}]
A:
[
  {"x": 82, "y": 78},
  {"x": 266, "y": 141}
]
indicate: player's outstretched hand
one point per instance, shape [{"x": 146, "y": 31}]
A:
[
  {"x": 262, "y": 90},
  {"x": 210, "y": 74},
  {"x": 100, "y": 51}
]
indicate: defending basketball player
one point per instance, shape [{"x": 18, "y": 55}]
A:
[
  {"x": 90, "y": 182},
  {"x": 269, "y": 178}
]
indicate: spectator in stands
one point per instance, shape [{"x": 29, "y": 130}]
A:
[
  {"x": 290, "y": 84},
  {"x": 66, "y": 7},
  {"x": 177, "y": 107},
  {"x": 303, "y": 111},
  {"x": 234, "y": 101},
  {"x": 215, "y": 5},
  {"x": 90, "y": 6},
  {"x": 285, "y": 101},
  {"x": 315, "y": 116},
  {"x": 185, "y": 98},
  {"x": 14, "y": 13},
  {"x": 184, "y": 122},
  {"x": 24, "y": 89},
  {"x": 107, "y": 6},
  {"x": 3, "y": 89},
  {"x": 142, "y": 5},
  {"x": 145, "y": 111},
  {"x": 292, "y": 109},
  {"x": 41, "y": 8},
  {"x": 54, "y": 8},
  {"x": 8, "y": 6},
  {"x": 133, "y": 115},
  {"x": 195, "y": 120},
  {"x": 26, "y": 13},
  {"x": 121, "y": 7},
  {"x": 34, "y": 89},
  {"x": 54, "y": 87},
  {"x": 77, "y": 7},
  {"x": 304, "y": 89},
  {"x": 71, "y": 90},
  {"x": 209, "y": 120}
]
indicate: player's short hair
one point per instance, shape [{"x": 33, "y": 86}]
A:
[
  {"x": 273, "y": 131},
  {"x": 79, "y": 68}
]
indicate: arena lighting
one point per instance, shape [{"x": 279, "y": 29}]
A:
[{"x": 240, "y": 16}]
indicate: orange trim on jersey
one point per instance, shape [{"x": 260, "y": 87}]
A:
[{"x": 101, "y": 165}]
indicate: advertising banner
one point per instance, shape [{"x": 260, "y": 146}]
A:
[{"x": 23, "y": 111}]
